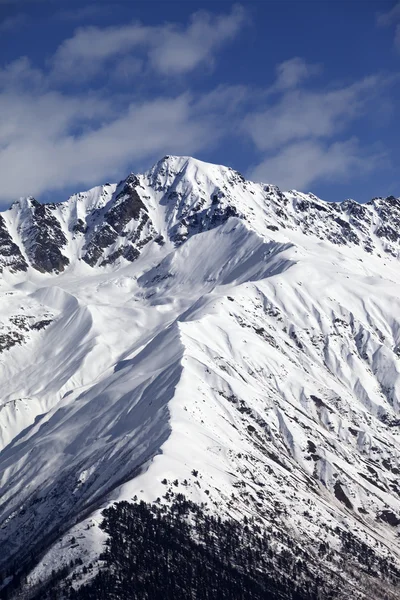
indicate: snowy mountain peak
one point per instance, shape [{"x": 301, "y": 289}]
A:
[
  {"x": 176, "y": 198},
  {"x": 23, "y": 203},
  {"x": 187, "y": 332}
]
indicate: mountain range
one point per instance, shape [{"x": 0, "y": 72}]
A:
[{"x": 189, "y": 332}]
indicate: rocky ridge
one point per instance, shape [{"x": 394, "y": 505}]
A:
[{"x": 113, "y": 222}]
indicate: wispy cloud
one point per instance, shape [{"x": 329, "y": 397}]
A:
[
  {"x": 390, "y": 18},
  {"x": 179, "y": 51},
  {"x": 300, "y": 114},
  {"x": 50, "y": 138},
  {"x": 301, "y": 164},
  {"x": 294, "y": 71},
  {"x": 302, "y": 134},
  {"x": 21, "y": 75},
  {"x": 13, "y": 23},
  {"x": 83, "y": 13},
  {"x": 167, "y": 49},
  {"x": 127, "y": 69},
  {"x": 41, "y": 153},
  {"x": 53, "y": 135}
]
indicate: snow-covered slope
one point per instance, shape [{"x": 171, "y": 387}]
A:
[{"x": 190, "y": 331}]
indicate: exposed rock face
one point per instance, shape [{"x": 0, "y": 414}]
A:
[
  {"x": 113, "y": 223},
  {"x": 104, "y": 237},
  {"x": 10, "y": 254},
  {"x": 44, "y": 239},
  {"x": 121, "y": 231}
]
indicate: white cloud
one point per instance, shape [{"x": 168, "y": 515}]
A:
[
  {"x": 52, "y": 145},
  {"x": 299, "y": 132},
  {"x": 50, "y": 115},
  {"x": 294, "y": 71},
  {"x": 52, "y": 137},
  {"x": 178, "y": 51},
  {"x": 303, "y": 163},
  {"x": 169, "y": 49},
  {"x": 300, "y": 114},
  {"x": 127, "y": 69},
  {"x": 85, "y": 54},
  {"x": 21, "y": 74},
  {"x": 226, "y": 98}
]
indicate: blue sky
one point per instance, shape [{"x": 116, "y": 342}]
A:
[{"x": 302, "y": 94}]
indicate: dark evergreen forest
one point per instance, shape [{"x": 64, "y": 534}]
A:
[{"x": 180, "y": 552}]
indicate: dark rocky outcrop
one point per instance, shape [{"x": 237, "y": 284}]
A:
[
  {"x": 44, "y": 239},
  {"x": 127, "y": 207},
  {"x": 10, "y": 254}
]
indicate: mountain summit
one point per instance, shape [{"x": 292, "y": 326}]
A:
[
  {"x": 189, "y": 332},
  {"x": 179, "y": 197}
]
